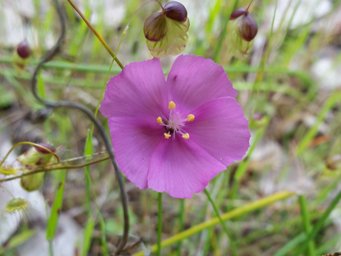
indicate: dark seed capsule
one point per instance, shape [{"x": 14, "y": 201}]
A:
[
  {"x": 23, "y": 49},
  {"x": 175, "y": 11},
  {"x": 248, "y": 27},
  {"x": 237, "y": 13},
  {"x": 155, "y": 27},
  {"x": 46, "y": 148}
]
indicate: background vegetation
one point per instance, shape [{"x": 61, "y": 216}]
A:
[{"x": 288, "y": 82}]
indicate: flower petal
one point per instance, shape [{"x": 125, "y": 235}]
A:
[
  {"x": 221, "y": 129},
  {"x": 134, "y": 141},
  {"x": 138, "y": 90},
  {"x": 194, "y": 80},
  {"x": 181, "y": 168}
]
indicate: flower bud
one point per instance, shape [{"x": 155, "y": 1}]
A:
[
  {"x": 23, "y": 49},
  {"x": 248, "y": 27},
  {"x": 32, "y": 182},
  {"x": 155, "y": 27},
  {"x": 175, "y": 11},
  {"x": 237, "y": 13}
]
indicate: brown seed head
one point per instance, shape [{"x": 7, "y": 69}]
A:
[
  {"x": 23, "y": 49},
  {"x": 248, "y": 27},
  {"x": 155, "y": 27},
  {"x": 175, "y": 11},
  {"x": 237, "y": 13}
]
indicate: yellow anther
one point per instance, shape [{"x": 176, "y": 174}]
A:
[
  {"x": 159, "y": 120},
  {"x": 190, "y": 118},
  {"x": 167, "y": 135},
  {"x": 171, "y": 105},
  {"x": 185, "y": 136}
]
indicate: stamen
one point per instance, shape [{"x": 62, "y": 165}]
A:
[
  {"x": 185, "y": 136},
  {"x": 167, "y": 135},
  {"x": 159, "y": 120},
  {"x": 190, "y": 118},
  {"x": 171, "y": 105}
]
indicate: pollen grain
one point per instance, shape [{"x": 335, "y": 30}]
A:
[
  {"x": 171, "y": 105},
  {"x": 185, "y": 136},
  {"x": 159, "y": 120},
  {"x": 167, "y": 135},
  {"x": 190, "y": 118}
]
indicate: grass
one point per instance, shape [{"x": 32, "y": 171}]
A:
[{"x": 285, "y": 105}]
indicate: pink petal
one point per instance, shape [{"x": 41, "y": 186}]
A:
[
  {"x": 134, "y": 141},
  {"x": 181, "y": 168},
  {"x": 221, "y": 129},
  {"x": 195, "y": 80},
  {"x": 138, "y": 90}
]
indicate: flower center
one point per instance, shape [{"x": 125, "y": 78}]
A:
[{"x": 175, "y": 122}]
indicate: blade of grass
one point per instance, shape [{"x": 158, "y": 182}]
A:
[
  {"x": 181, "y": 219},
  {"x": 52, "y": 222},
  {"x": 221, "y": 39},
  {"x": 159, "y": 223},
  {"x": 222, "y": 223},
  {"x": 302, "y": 240},
  {"x": 88, "y": 151},
  {"x": 306, "y": 224},
  {"x": 304, "y": 143},
  {"x": 87, "y": 235},
  {"x": 253, "y": 206}
]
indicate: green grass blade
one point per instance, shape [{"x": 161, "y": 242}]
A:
[
  {"x": 250, "y": 207},
  {"x": 52, "y": 222}
]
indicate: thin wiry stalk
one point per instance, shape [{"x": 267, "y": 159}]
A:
[{"x": 72, "y": 105}]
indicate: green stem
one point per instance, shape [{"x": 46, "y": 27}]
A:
[
  {"x": 159, "y": 223},
  {"x": 306, "y": 223},
  {"x": 181, "y": 222},
  {"x": 222, "y": 223},
  {"x": 99, "y": 37}
]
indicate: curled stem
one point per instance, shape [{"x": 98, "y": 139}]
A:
[{"x": 71, "y": 105}]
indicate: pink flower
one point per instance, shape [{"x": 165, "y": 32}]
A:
[{"x": 174, "y": 135}]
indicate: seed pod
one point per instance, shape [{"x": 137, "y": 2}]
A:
[
  {"x": 32, "y": 182},
  {"x": 23, "y": 49},
  {"x": 166, "y": 30},
  {"x": 237, "y": 13},
  {"x": 175, "y": 11},
  {"x": 155, "y": 27},
  {"x": 247, "y": 27}
]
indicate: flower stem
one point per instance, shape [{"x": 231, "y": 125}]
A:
[
  {"x": 159, "y": 223},
  {"x": 228, "y": 234},
  {"x": 247, "y": 9},
  {"x": 99, "y": 37},
  {"x": 181, "y": 222}
]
